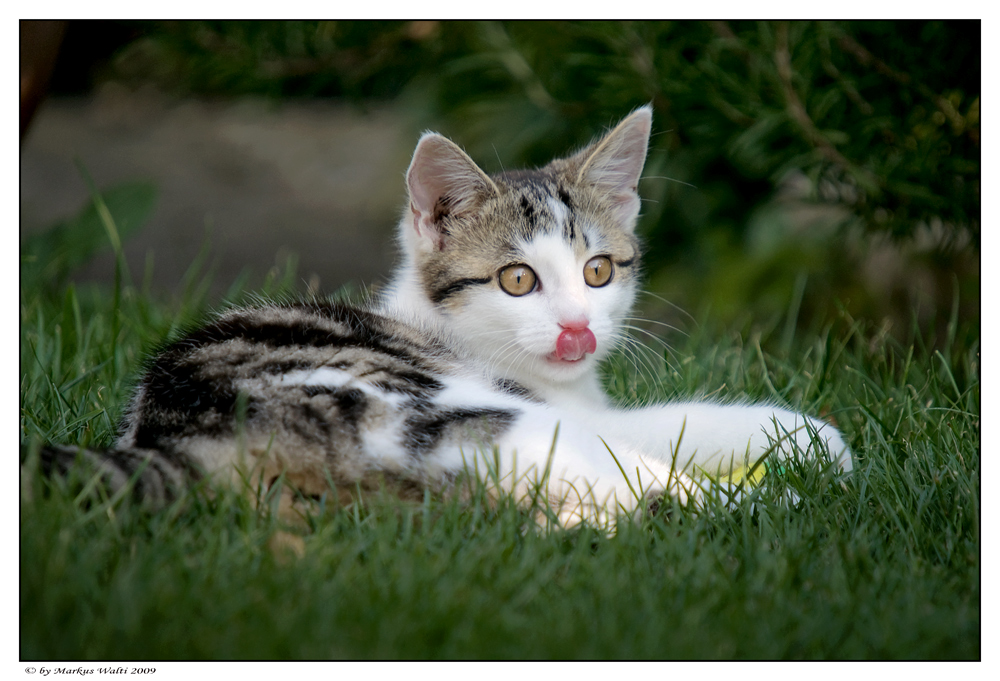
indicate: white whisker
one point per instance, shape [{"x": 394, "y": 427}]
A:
[
  {"x": 663, "y": 300},
  {"x": 669, "y": 179}
]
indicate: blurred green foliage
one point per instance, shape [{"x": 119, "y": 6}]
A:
[
  {"x": 794, "y": 164},
  {"x": 49, "y": 257}
]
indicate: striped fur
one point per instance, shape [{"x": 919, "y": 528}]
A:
[
  {"x": 313, "y": 391},
  {"x": 447, "y": 371}
]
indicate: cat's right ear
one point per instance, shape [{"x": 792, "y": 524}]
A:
[{"x": 443, "y": 181}]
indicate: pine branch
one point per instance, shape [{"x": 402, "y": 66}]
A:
[
  {"x": 866, "y": 58},
  {"x": 798, "y": 113}
]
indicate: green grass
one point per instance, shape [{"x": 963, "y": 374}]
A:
[{"x": 886, "y": 566}]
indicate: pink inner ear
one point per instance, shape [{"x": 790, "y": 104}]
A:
[
  {"x": 421, "y": 223},
  {"x": 426, "y": 184}
]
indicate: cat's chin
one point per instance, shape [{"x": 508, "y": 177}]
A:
[{"x": 564, "y": 370}]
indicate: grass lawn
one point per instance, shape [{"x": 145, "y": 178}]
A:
[{"x": 883, "y": 566}]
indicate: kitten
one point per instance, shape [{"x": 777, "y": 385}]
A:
[{"x": 480, "y": 356}]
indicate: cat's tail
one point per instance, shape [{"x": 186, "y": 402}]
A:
[{"x": 149, "y": 476}]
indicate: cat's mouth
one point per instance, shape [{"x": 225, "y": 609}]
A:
[
  {"x": 551, "y": 358},
  {"x": 573, "y": 345}
]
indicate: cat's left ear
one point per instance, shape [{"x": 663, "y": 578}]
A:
[
  {"x": 614, "y": 163},
  {"x": 443, "y": 181}
]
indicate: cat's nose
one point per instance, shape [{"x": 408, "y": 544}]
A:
[{"x": 575, "y": 341}]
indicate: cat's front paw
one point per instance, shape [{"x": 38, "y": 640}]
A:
[
  {"x": 839, "y": 452},
  {"x": 814, "y": 439},
  {"x": 669, "y": 487}
]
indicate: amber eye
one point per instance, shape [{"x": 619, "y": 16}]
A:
[
  {"x": 517, "y": 280},
  {"x": 598, "y": 270}
]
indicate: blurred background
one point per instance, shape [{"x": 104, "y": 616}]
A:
[{"x": 799, "y": 173}]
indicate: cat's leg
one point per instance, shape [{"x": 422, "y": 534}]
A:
[
  {"x": 546, "y": 457},
  {"x": 714, "y": 439},
  {"x": 588, "y": 476},
  {"x": 551, "y": 457},
  {"x": 528, "y": 448}
]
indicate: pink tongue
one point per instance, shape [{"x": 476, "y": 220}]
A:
[{"x": 573, "y": 344}]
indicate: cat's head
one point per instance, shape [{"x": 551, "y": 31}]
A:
[{"x": 535, "y": 270}]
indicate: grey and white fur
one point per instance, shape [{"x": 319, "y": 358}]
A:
[{"x": 483, "y": 347}]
